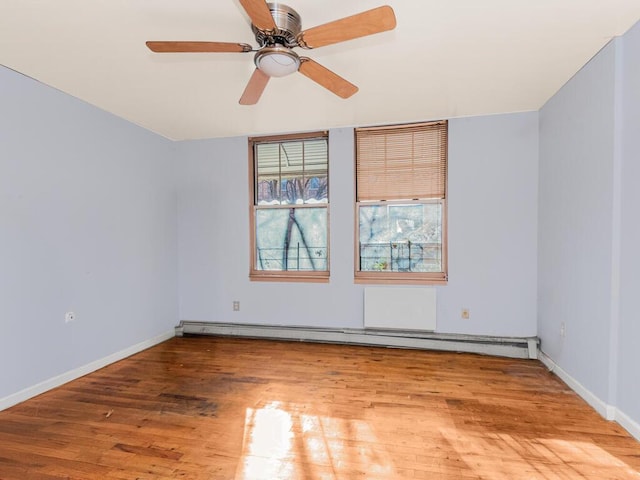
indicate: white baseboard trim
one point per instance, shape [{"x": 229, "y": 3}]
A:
[
  {"x": 66, "y": 377},
  {"x": 628, "y": 424},
  {"x": 514, "y": 347},
  {"x": 609, "y": 412},
  {"x": 604, "y": 409}
]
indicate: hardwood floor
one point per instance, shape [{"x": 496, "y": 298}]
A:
[{"x": 223, "y": 408}]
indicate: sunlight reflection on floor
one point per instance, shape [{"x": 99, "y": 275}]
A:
[
  {"x": 267, "y": 445},
  {"x": 284, "y": 441},
  {"x": 280, "y": 443}
]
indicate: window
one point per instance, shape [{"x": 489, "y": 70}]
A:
[
  {"x": 290, "y": 207},
  {"x": 401, "y": 184}
]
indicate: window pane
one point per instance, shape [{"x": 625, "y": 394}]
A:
[
  {"x": 292, "y": 173},
  {"x": 294, "y": 190},
  {"x": 316, "y": 189},
  {"x": 267, "y": 191},
  {"x": 401, "y": 238},
  {"x": 291, "y": 239}
]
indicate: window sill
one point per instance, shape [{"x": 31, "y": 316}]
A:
[
  {"x": 400, "y": 278},
  {"x": 296, "y": 277}
]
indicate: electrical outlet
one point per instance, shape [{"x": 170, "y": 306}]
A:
[
  {"x": 563, "y": 330},
  {"x": 464, "y": 314},
  {"x": 236, "y": 305},
  {"x": 69, "y": 317}
]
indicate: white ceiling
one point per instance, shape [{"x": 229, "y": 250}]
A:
[{"x": 445, "y": 59}]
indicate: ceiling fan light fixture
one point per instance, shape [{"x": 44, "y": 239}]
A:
[{"x": 277, "y": 61}]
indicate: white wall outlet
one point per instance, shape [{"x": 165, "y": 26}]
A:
[
  {"x": 563, "y": 330},
  {"x": 69, "y": 317},
  {"x": 236, "y": 305},
  {"x": 464, "y": 314}
]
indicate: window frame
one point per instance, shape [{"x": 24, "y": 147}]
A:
[
  {"x": 395, "y": 277},
  {"x": 256, "y": 274}
]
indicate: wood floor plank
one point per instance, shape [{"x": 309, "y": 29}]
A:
[{"x": 224, "y": 408}]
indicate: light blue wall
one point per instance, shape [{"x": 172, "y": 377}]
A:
[
  {"x": 493, "y": 182},
  {"x": 589, "y": 261},
  {"x": 492, "y": 240},
  {"x": 575, "y": 222},
  {"x": 87, "y": 224},
  {"x": 628, "y": 381}
]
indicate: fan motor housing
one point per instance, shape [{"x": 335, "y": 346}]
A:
[{"x": 288, "y": 23}]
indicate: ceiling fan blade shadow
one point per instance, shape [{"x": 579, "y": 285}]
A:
[
  {"x": 198, "y": 47},
  {"x": 326, "y": 78},
  {"x": 362, "y": 24},
  {"x": 254, "y": 88},
  {"x": 259, "y": 13}
]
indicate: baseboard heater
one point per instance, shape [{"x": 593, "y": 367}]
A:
[{"x": 513, "y": 347}]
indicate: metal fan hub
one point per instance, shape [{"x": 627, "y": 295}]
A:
[{"x": 288, "y": 26}]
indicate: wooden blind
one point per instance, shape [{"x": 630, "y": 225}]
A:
[{"x": 402, "y": 162}]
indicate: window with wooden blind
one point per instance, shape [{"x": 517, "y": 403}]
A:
[
  {"x": 289, "y": 207},
  {"x": 401, "y": 193}
]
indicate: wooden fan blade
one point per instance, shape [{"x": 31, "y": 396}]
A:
[
  {"x": 362, "y": 24},
  {"x": 259, "y": 13},
  {"x": 198, "y": 47},
  {"x": 325, "y": 77},
  {"x": 254, "y": 88}
]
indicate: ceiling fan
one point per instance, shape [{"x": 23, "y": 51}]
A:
[{"x": 278, "y": 29}]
